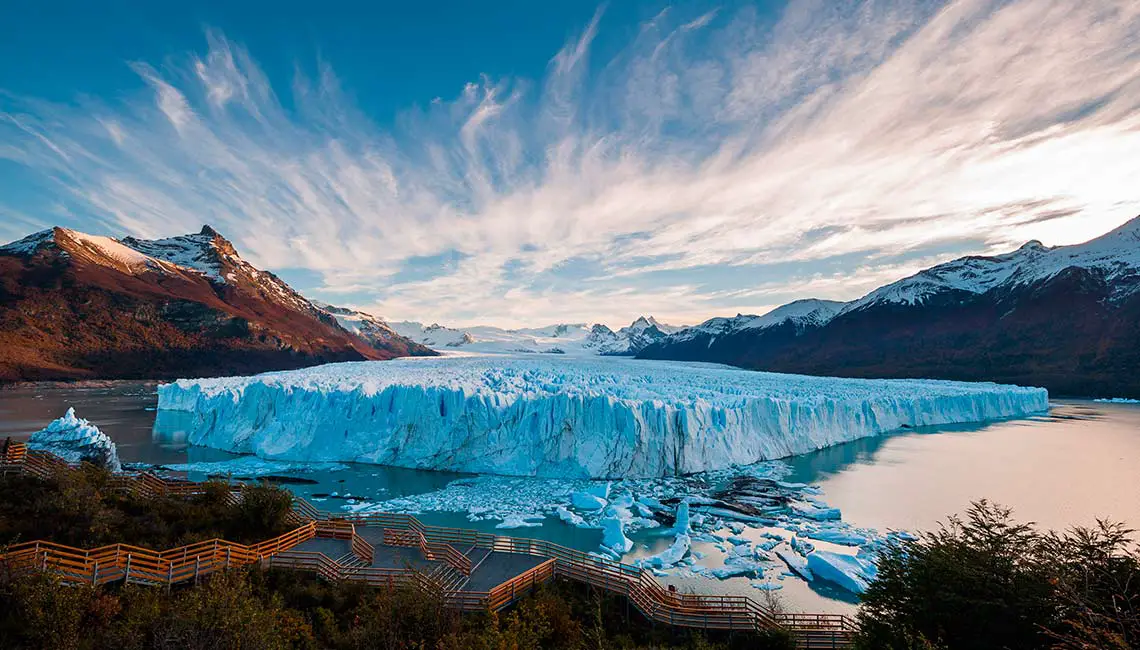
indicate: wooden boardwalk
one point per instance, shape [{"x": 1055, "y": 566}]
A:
[{"x": 471, "y": 570}]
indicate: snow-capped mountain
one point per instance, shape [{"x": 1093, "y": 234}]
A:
[
  {"x": 1065, "y": 317},
  {"x": 78, "y": 305},
  {"x": 577, "y": 339},
  {"x": 1115, "y": 257},
  {"x": 801, "y": 313},
  {"x": 366, "y": 326}
]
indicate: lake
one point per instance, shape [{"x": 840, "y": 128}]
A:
[{"x": 1069, "y": 467}]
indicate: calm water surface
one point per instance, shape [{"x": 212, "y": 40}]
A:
[{"x": 1078, "y": 463}]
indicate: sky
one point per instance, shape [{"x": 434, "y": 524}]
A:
[{"x": 522, "y": 163}]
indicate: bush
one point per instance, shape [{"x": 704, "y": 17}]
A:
[
  {"x": 990, "y": 582},
  {"x": 78, "y": 509}
]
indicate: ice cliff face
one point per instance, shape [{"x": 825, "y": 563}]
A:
[
  {"x": 600, "y": 417},
  {"x": 75, "y": 439}
]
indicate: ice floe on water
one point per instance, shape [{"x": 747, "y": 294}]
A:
[
  {"x": 1117, "y": 400},
  {"x": 566, "y": 418}
]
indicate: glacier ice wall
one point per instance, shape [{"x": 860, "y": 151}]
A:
[{"x": 564, "y": 417}]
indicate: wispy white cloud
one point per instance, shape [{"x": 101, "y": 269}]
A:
[{"x": 841, "y": 146}]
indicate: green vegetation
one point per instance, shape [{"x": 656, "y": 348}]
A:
[
  {"x": 987, "y": 582},
  {"x": 254, "y": 609},
  {"x": 78, "y": 509}
]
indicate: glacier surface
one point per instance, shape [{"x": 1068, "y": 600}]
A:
[{"x": 564, "y": 418}]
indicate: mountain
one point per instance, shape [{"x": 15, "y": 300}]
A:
[
  {"x": 1066, "y": 318},
  {"x": 74, "y": 305},
  {"x": 373, "y": 330},
  {"x": 567, "y": 338}
]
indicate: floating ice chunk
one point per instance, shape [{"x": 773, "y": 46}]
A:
[
  {"x": 652, "y": 503},
  {"x": 643, "y": 510},
  {"x": 796, "y": 562},
  {"x": 851, "y": 572},
  {"x": 814, "y": 511},
  {"x": 735, "y": 565},
  {"x": 624, "y": 501},
  {"x": 670, "y": 556},
  {"x": 75, "y": 439},
  {"x": 845, "y": 536},
  {"x": 682, "y": 524},
  {"x": 519, "y": 521},
  {"x": 768, "y": 545},
  {"x": 600, "y": 490},
  {"x": 587, "y": 501},
  {"x": 725, "y": 513},
  {"x": 766, "y": 585},
  {"x": 613, "y": 535},
  {"x": 570, "y": 518},
  {"x": 564, "y": 418},
  {"x": 800, "y": 546},
  {"x": 1117, "y": 400}
]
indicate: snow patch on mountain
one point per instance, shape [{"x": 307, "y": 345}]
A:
[{"x": 574, "y": 417}]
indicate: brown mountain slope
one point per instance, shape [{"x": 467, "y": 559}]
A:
[{"x": 76, "y": 306}]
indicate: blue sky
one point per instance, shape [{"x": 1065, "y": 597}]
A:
[{"x": 522, "y": 163}]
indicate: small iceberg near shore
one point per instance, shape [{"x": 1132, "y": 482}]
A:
[{"x": 77, "y": 440}]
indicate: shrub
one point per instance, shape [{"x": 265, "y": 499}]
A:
[{"x": 990, "y": 582}]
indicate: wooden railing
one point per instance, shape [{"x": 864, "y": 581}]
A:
[
  {"x": 434, "y": 551},
  {"x": 116, "y": 562},
  {"x": 133, "y": 564}
]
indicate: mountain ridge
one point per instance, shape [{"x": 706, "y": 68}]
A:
[
  {"x": 1064, "y": 317},
  {"x": 75, "y": 306}
]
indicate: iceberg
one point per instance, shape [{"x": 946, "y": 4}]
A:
[
  {"x": 676, "y": 552},
  {"x": 795, "y": 562},
  {"x": 613, "y": 535},
  {"x": 563, "y": 418},
  {"x": 851, "y": 572},
  {"x": 587, "y": 501},
  {"x": 75, "y": 439}
]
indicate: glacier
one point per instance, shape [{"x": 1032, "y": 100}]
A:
[{"x": 564, "y": 418}]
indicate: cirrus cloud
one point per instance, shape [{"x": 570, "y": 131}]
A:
[{"x": 719, "y": 163}]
